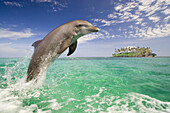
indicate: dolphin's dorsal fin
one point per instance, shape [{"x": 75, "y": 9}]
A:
[
  {"x": 72, "y": 48},
  {"x": 36, "y": 43}
]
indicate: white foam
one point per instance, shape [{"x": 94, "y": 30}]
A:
[
  {"x": 11, "y": 97},
  {"x": 152, "y": 105},
  {"x": 129, "y": 103}
]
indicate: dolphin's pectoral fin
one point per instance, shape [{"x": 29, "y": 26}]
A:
[
  {"x": 72, "y": 48},
  {"x": 65, "y": 45},
  {"x": 35, "y": 44}
]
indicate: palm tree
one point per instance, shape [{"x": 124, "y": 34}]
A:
[
  {"x": 129, "y": 49},
  {"x": 121, "y": 49},
  {"x": 118, "y": 50},
  {"x": 132, "y": 49},
  {"x": 126, "y": 49}
]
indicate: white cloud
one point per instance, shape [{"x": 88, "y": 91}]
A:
[
  {"x": 152, "y": 9},
  {"x": 137, "y": 14},
  {"x": 154, "y": 19},
  {"x": 118, "y": 7},
  {"x": 139, "y": 20},
  {"x": 15, "y": 50},
  {"x": 112, "y": 16},
  {"x": 86, "y": 38},
  {"x": 148, "y": 33},
  {"x": 107, "y": 23},
  {"x": 104, "y": 21},
  {"x": 54, "y": 4},
  {"x": 166, "y": 19},
  {"x": 4, "y": 47},
  {"x": 6, "y": 33},
  {"x": 13, "y": 4},
  {"x": 90, "y": 37},
  {"x": 99, "y": 35},
  {"x": 106, "y": 33},
  {"x": 166, "y": 11},
  {"x": 146, "y": 2},
  {"x": 43, "y": 0}
]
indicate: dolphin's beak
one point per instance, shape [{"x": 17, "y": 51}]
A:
[{"x": 94, "y": 29}]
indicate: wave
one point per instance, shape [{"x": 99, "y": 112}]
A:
[
  {"x": 11, "y": 101},
  {"x": 17, "y": 96},
  {"x": 129, "y": 103}
]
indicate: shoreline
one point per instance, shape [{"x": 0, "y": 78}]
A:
[{"x": 89, "y": 57}]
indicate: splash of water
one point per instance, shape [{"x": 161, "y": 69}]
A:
[{"x": 17, "y": 89}]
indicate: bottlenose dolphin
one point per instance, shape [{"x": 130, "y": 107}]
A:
[{"x": 54, "y": 44}]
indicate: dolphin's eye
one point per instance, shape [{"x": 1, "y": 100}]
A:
[{"x": 79, "y": 25}]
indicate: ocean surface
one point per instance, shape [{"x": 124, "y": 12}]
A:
[{"x": 92, "y": 85}]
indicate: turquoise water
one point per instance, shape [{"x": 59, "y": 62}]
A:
[{"x": 92, "y": 85}]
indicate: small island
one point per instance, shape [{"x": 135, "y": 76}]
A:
[{"x": 131, "y": 51}]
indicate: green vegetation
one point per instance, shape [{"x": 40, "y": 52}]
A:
[{"x": 134, "y": 52}]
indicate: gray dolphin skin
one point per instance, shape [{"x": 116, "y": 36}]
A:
[{"x": 54, "y": 44}]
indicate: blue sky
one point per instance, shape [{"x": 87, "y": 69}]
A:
[{"x": 122, "y": 22}]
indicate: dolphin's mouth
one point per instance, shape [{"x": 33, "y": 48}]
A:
[{"x": 94, "y": 29}]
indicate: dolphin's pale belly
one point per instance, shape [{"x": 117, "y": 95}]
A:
[{"x": 47, "y": 60}]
